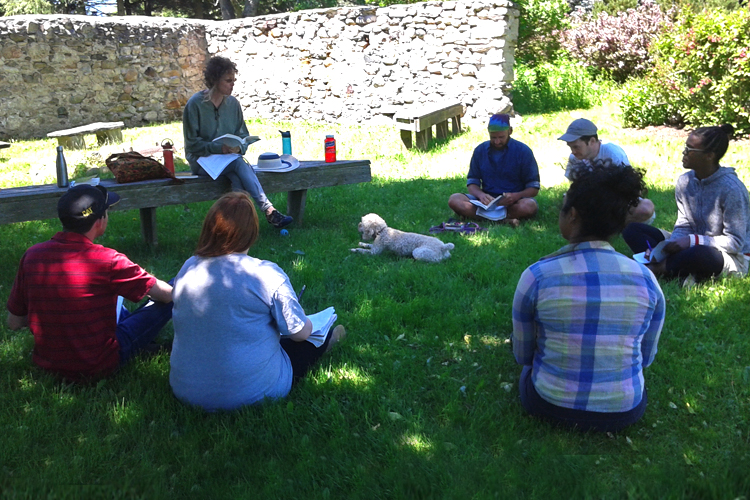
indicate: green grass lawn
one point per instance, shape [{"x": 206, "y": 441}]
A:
[{"x": 420, "y": 400}]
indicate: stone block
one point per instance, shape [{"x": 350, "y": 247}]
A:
[
  {"x": 11, "y": 52},
  {"x": 130, "y": 75}
]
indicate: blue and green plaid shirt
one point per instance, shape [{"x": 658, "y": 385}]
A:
[{"x": 588, "y": 319}]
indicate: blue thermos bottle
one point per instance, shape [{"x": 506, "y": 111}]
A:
[{"x": 286, "y": 142}]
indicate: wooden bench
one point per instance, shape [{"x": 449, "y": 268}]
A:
[
  {"x": 40, "y": 202},
  {"x": 106, "y": 132},
  {"x": 420, "y": 119}
]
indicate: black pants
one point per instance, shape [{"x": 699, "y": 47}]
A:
[
  {"x": 702, "y": 261},
  {"x": 303, "y": 355},
  {"x": 580, "y": 419}
]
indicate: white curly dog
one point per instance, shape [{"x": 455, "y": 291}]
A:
[{"x": 419, "y": 246}]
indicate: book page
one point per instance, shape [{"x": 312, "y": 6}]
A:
[
  {"x": 234, "y": 141},
  {"x": 494, "y": 213},
  {"x": 321, "y": 323},
  {"x": 214, "y": 165},
  {"x": 488, "y": 206}
]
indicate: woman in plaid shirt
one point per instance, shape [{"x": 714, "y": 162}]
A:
[{"x": 587, "y": 319}]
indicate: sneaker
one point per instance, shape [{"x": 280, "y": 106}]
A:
[{"x": 278, "y": 220}]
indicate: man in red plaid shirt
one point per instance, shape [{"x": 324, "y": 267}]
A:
[{"x": 66, "y": 291}]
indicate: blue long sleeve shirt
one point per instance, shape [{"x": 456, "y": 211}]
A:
[{"x": 508, "y": 170}]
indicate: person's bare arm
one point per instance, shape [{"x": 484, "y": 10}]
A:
[
  {"x": 302, "y": 334},
  {"x": 17, "y": 322},
  {"x": 480, "y": 195},
  {"x": 509, "y": 199},
  {"x": 161, "y": 292}
]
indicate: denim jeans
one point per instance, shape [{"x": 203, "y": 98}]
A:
[
  {"x": 138, "y": 329},
  {"x": 243, "y": 178}
]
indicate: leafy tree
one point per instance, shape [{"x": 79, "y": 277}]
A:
[{"x": 15, "y": 7}]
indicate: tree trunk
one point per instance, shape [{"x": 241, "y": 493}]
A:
[
  {"x": 120, "y": 8},
  {"x": 251, "y": 8},
  {"x": 198, "y": 9},
  {"x": 227, "y": 11}
]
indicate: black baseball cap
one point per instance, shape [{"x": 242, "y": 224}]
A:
[{"x": 83, "y": 204}]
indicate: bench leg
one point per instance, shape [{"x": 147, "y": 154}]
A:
[
  {"x": 423, "y": 138},
  {"x": 295, "y": 205},
  {"x": 72, "y": 142},
  {"x": 148, "y": 225},
  {"x": 113, "y": 136},
  {"x": 441, "y": 130},
  {"x": 406, "y": 138},
  {"x": 456, "y": 125}
]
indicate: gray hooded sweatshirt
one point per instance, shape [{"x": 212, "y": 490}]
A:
[{"x": 714, "y": 211}]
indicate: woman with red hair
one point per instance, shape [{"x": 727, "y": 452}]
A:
[{"x": 239, "y": 330}]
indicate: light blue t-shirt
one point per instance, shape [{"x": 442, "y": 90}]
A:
[{"x": 228, "y": 315}]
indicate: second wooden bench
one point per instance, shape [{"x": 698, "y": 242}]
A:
[
  {"x": 106, "y": 132},
  {"x": 420, "y": 119}
]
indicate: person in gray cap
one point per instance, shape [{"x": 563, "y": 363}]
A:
[
  {"x": 586, "y": 149},
  {"x": 66, "y": 292}
]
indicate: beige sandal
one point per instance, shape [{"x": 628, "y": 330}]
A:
[{"x": 338, "y": 334}]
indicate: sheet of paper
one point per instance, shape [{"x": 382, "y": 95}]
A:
[
  {"x": 120, "y": 302},
  {"x": 214, "y": 165}
]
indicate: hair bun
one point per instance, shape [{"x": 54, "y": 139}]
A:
[{"x": 727, "y": 129}]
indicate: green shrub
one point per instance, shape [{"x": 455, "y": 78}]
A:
[
  {"x": 539, "y": 24},
  {"x": 556, "y": 86},
  {"x": 614, "y": 7},
  {"x": 642, "y": 105},
  {"x": 701, "y": 74}
]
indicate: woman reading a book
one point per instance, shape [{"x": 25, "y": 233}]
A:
[
  {"x": 587, "y": 319},
  {"x": 239, "y": 330},
  {"x": 213, "y": 113},
  {"x": 712, "y": 234}
]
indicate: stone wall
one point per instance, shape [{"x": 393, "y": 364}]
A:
[
  {"x": 345, "y": 64},
  {"x": 58, "y": 72},
  {"x": 356, "y": 63}
]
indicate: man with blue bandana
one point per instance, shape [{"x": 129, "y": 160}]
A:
[{"x": 500, "y": 166}]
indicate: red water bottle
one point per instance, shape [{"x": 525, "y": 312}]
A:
[
  {"x": 166, "y": 146},
  {"x": 330, "y": 148}
]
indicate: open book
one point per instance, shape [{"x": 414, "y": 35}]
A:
[
  {"x": 233, "y": 141},
  {"x": 657, "y": 254},
  {"x": 491, "y": 210},
  {"x": 489, "y": 206},
  {"x": 214, "y": 165},
  {"x": 321, "y": 323}
]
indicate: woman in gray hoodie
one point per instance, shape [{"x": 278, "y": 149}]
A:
[{"x": 712, "y": 234}]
